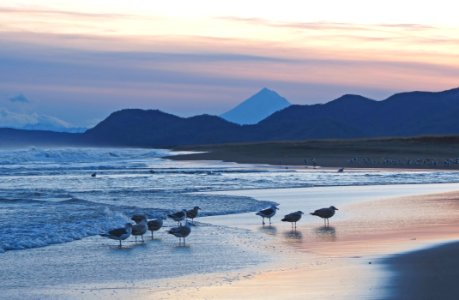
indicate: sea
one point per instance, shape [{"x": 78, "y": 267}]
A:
[
  {"x": 49, "y": 196},
  {"x": 55, "y": 202}
]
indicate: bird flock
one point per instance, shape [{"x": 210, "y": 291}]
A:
[
  {"x": 142, "y": 224},
  {"x": 183, "y": 229},
  {"x": 325, "y": 213}
]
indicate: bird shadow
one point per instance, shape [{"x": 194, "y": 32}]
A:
[
  {"x": 326, "y": 233},
  {"x": 182, "y": 248},
  {"x": 268, "y": 229},
  {"x": 293, "y": 235}
]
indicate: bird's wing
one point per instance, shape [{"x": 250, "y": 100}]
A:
[{"x": 117, "y": 231}]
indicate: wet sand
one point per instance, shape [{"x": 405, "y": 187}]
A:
[{"x": 347, "y": 259}]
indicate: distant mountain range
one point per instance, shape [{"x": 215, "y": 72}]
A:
[
  {"x": 256, "y": 108},
  {"x": 350, "y": 116}
]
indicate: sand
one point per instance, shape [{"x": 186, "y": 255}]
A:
[
  {"x": 406, "y": 153},
  {"x": 348, "y": 260}
]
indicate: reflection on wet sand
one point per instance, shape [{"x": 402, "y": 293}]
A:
[
  {"x": 293, "y": 235},
  {"x": 325, "y": 233},
  {"x": 271, "y": 230}
]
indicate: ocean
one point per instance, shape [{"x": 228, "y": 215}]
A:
[{"x": 48, "y": 196}]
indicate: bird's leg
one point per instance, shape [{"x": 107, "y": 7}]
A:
[
  {"x": 263, "y": 221},
  {"x": 135, "y": 238},
  {"x": 269, "y": 221},
  {"x": 120, "y": 244},
  {"x": 152, "y": 235},
  {"x": 142, "y": 239}
]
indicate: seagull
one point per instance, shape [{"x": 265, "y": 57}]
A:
[
  {"x": 94, "y": 174},
  {"x": 154, "y": 225},
  {"x": 182, "y": 231},
  {"x": 178, "y": 216},
  {"x": 325, "y": 213},
  {"x": 119, "y": 234},
  {"x": 139, "y": 229},
  {"x": 137, "y": 218},
  {"x": 293, "y": 218},
  {"x": 267, "y": 213},
  {"x": 193, "y": 213},
  {"x": 340, "y": 170}
]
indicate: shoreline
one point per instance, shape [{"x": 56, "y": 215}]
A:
[
  {"x": 353, "y": 267},
  {"x": 434, "y": 153}
]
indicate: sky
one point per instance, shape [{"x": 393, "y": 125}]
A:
[{"x": 72, "y": 63}]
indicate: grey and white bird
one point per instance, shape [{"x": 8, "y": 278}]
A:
[
  {"x": 137, "y": 218},
  {"x": 178, "y": 216},
  {"x": 154, "y": 225},
  {"x": 182, "y": 231},
  {"x": 193, "y": 213},
  {"x": 119, "y": 234},
  {"x": 293, "y": 218},
  {"x": 267, "y": 213},
  {"x": 139, "y": 229},
  {"x": 325, "y": 213}
]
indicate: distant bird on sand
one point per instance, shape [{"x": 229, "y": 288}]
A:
[
  {"x": 178, "y": 216},
  {"x": 119, "y": 234},
  {"x": 267, "y": 213},
  {"x": 193, "y": 213},
  {"x": 182, "y": 231},
  {"x": 293, "y": 218},
  {"x": 154, "y": 225},
  {"x": 139, "y": 229},
  {"x": 340, "y": 170},
  {"x": 325, "y": 213},
  {"x": 94, "y": 174}
]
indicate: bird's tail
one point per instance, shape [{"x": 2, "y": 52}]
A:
[
  {"x": 284, "y": 220},
  {"x": 258, "y": 214},
  {"x": 104, "y": 235},
  {"x": 313, "y": 213}
]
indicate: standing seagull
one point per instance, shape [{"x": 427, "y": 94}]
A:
[
  {"x": 182, "y": 231},
  {"x": 193, "y": 213},
  {"x": 137, "y": 218},
  {"x": 293, "y": 218},
  {"x": 178, "y": 216},
  {"x": 325, "y": 213},
  {"x": 267, "y": 213},
  {"x": 119, "y": 234},
  {"x": 154, "y": 225},
  {"x": 139, "y": 229}
]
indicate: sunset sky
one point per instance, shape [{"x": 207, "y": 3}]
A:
[{"x": 80, "y": 60}]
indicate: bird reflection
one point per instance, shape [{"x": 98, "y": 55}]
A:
[
  {"x": 271, "y": 230},
  {"x": 326, "y": 233},
  {"x": 293, "y": 235}
]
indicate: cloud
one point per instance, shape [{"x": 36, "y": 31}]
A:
[
  {"x": 20, "y": 98},
  {"x": 35, "y": 121}
]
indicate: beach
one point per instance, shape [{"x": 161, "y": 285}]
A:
[
  {"x": 346, "y": 260},
  {"x": 57, "y": 253},
  {"x": 434, "y": 152}
]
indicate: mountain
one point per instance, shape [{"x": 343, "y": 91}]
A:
[
  {"x": 19, "y": 137},
  {"x": 256, "y": 108},
  {"x": 153, "y": 128},
  {"x": 350, "y": 116},
  {"x": 353, "y": 116}
]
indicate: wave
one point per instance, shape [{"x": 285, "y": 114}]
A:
[{"x": 76, "y": 155}]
